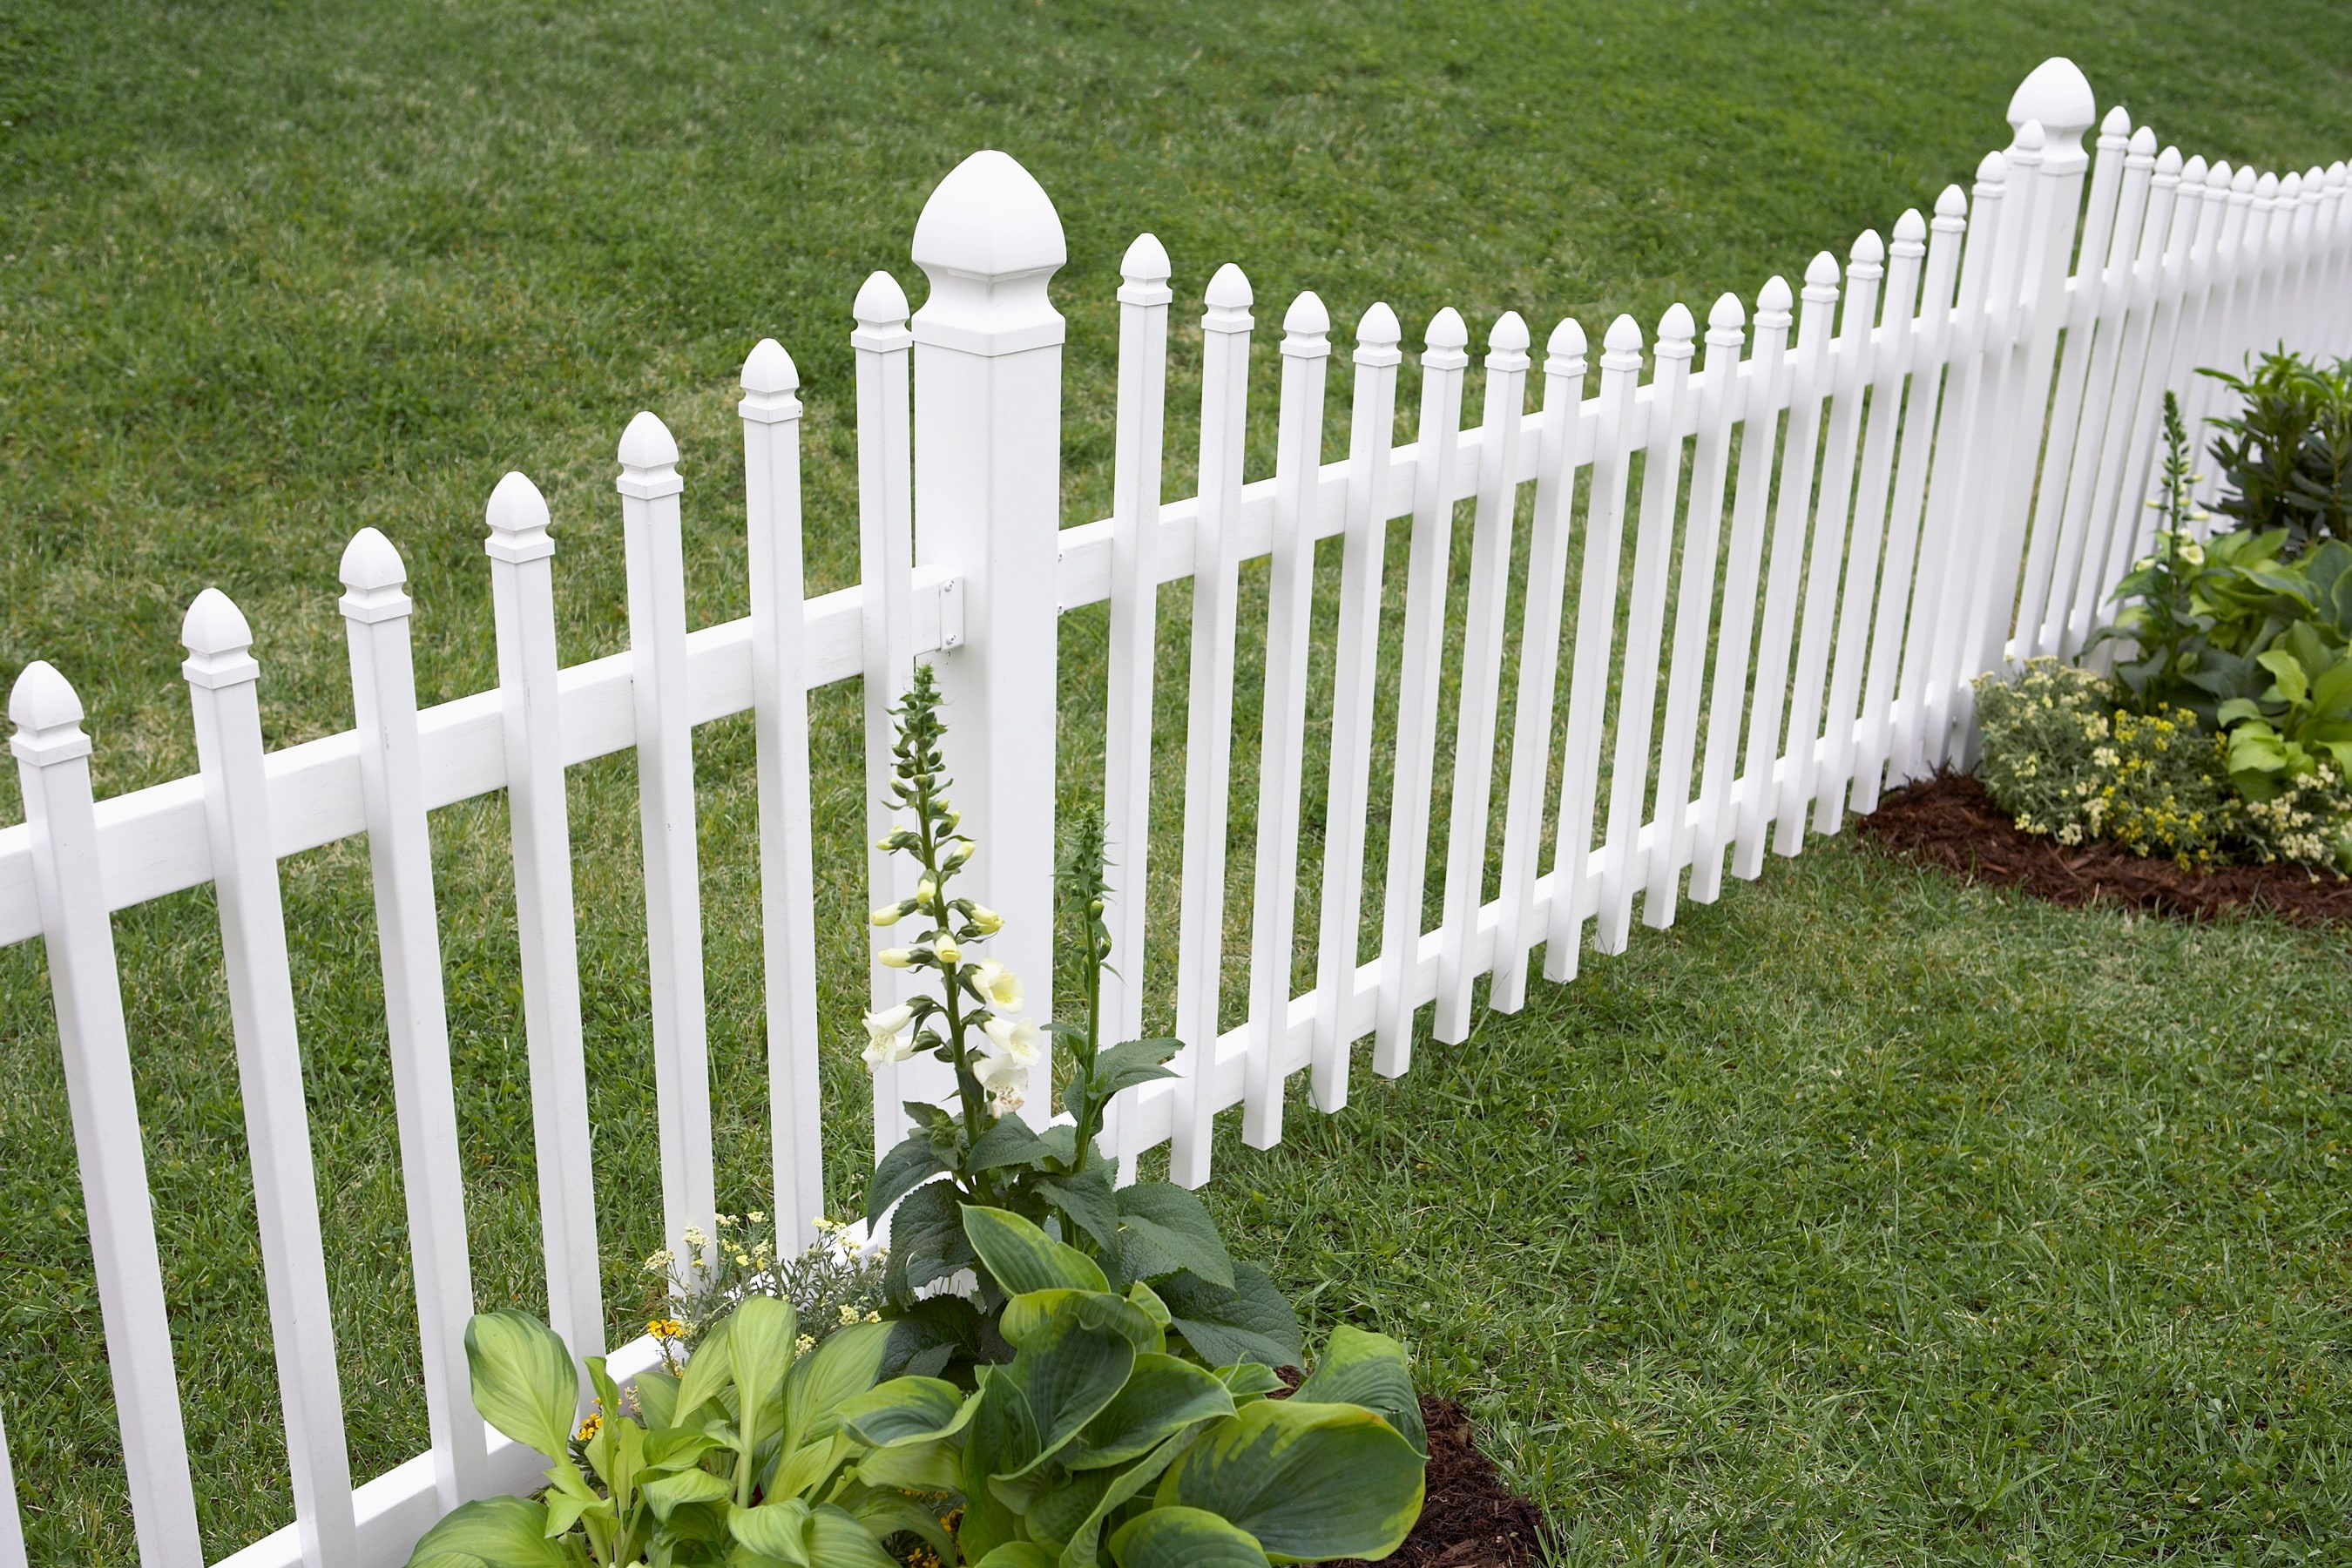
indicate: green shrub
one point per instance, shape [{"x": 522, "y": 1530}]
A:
[
  {"x": 2066, "y": 758},
  {"x": 2287, "y": 454}
]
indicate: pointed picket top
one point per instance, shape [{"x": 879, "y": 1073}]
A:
[
  {"x": 48, "y": 716},
  {"x": 370, "y": 563},
  {"x": 2168, "y": 166},
  {"x": 1507, "y": 342},
  {"x": 516, "y": 516},
  {"x": 2336, "y": 173},
  {"x": 1446, "y": 330},
  {"x": 648, "y": 444},
  {"x": 1307, "y": 317},
  {"x": 2143, "y": 144},
  {"x": 2242, "y": 183},
  {"x": 1821, "y": 272},
  {"x": 1869, "y": 250},
  {"x": 2115, "y": 125},
  {"x": 2290, "y": 188},
  {"x": 1564, "y": 353},
  {"x": 1146, "y": 261},
  {"x": 2194, "y": 171},
  {"x": 1621, "y": 346},
  {"x": 1992, "y": 174},
  {"x": 2026, "y": 146},
  {"x": 2057, "y": 97},
  {"x": 769, "y": 369},
  {"x": 1229, "y": 289},
  {"x": 990, "y": 218},
  {"x": 2266, "y": 189},
  {"x": 880, "y": 301},
  {"x": 1774, "y": 300},
  {"x": 217, "y": 636},
  {"x": 1727, "y": 315},
  {"x": 1910, "y": 234},
  {"x": 1378, "y": 326},
  {"x": 1953, "y": 202},
  {"x": 214, "y": 625}
]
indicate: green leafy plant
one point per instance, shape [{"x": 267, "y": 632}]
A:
[
  {"x": 1094, "y": 1444},
  {"x": 984, "y": 1154},
  {"x": 744, "y": 1460},
  {"x": 2288, "y": 453},
  {"x": 2303, "y": 718},
  {"x": 830, "y": 1285}
]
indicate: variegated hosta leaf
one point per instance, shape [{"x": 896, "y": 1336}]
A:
[
  {"x": 1308, "y": 1481},
  {"x": 500, "y": 1532},
  {"x": 1371, "y": 1370},
  {"x": 1184, "y": 1538},
  {"x": 1162, "y": 1396},
  {"x": 905, "y": 1410},
  {"x": 829, "y": 1376},
  {"x": 523, "y": 1381}
]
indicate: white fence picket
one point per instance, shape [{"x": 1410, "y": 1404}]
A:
[
  {"x": 53, "y": 769},
  {"x": 1767, "y": 395},
  {"x": 1827, "y": 556},
  {"x": 1484, "y": 622},
  {"x": 222, "y": 677},
  {"x": 400, "y": 854},
  {"x": 522, "y": 597},
  {"x": 1143, "y": 301},
  {"x": 652, "y": 531},
  {"x": 1422, "y": 647},
  {"x": 1208, "y": 748},
  {"x": 1645, "y": 623},
  {"x": 1355, "y": 686},
  {"x": 771, "y": 415},
  {"x": 1290, "y": 604},
  {"x": 1561, "y": 453},
  {"x": 12, "y": 1526},
  {"x": 1718, "y": 411},
  {"x": 1573, "y": 889}
]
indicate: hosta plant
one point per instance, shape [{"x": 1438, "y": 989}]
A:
[
  {"x": 1096, "y": 1445},
  {"x": 744, "y": 1460},
  {"x": 945, "y": 1301}
]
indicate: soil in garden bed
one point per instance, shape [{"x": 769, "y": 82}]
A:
[
  {"x": 1469, "y": 1518},
  {"x": 1949, "y": 821}
]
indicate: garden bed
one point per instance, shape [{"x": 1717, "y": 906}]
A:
[{"x": 1949, "y": 821}]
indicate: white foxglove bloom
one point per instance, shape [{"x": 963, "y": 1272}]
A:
[
  {"x": 886, "y": 1040},
  {"x": 999, "y": 988},
  {"x": 1006, "y": 1080},
  {"x": 895, "y": 957},
  {"x": 926, "y": 891},
  {"x": 1018, "y": 1040},
  {"x": 885, "y": 914},
  {"x": 986, "y": 920},
  {"x": 950, "y": 953}
]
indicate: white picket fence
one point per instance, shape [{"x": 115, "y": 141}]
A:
[{"x": 1959, "y": 480}]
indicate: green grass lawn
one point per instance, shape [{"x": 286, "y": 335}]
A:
[{"x": 1858, "y": 1218}]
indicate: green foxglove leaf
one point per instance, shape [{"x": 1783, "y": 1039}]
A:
[
  {"x": 1249, "y": 1322},
  {"x": 1131, "y": 1062},
  {"x": 1184, "y": 1538},
  {"x": 1308, "y": 1481},
  {"x": 1008, "y": 1142},
  {"x": 927, "y": 1241},
  {"x": 1086, "y": 1200},
  {"x": 500, "y": 1532},
  {"x": 1162, "y": 1396},
  {"x": 524, "y": 1383},
  {"x": 1163, "y": 1228},
  {"x": 1023, "y": 1258},
  {"x": 902, "y": 1170},
  {"x": 1370, "y": 1370}
]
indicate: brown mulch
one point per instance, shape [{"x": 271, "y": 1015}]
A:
[
  {"x": 1949, "y": 821},
  {"x": 1469, "y": 1518}
]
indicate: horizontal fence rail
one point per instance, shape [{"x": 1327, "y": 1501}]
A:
[{"x": 1795, "y": 543}]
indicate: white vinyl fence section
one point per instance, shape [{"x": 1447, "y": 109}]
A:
[{"x": 1927, "y": 461}]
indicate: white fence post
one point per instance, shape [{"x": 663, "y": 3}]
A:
[
  {"x": 1355, "y": 676},
  {"x": 53, "y": 769},
  {"x": 886, "y": 577},
  {"x": 523, "y": 599},
  {"x": 1488, "y": 606},
  {"x": 653, "y": 534},
  {"x": 988, "y": 466},
  {"x": 1442, "y": 360},
  {"x": 1143, "y": 301},
  {"x": 1298, "y": 466},
  {"x": 400, "y": 855},
  {"x": 222, "y": 677},
  {"x": 770, "y": 414},
  {"x": 12, "y": 1523},
  {"x": 1208, "y": 746}
]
